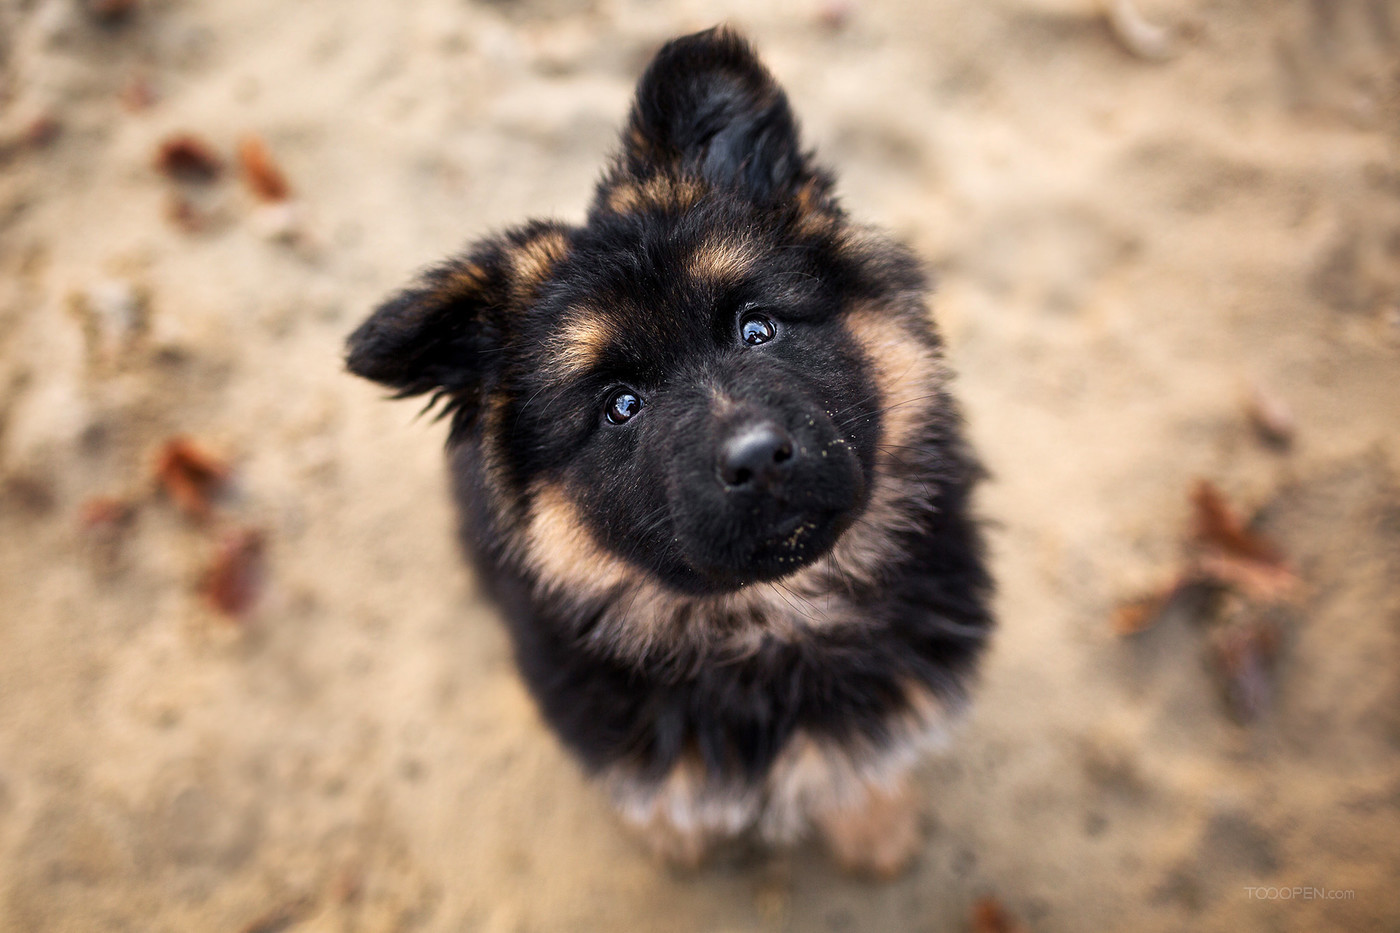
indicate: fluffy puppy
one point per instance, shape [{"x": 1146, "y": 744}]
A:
[{"x": 708, "y": 465}]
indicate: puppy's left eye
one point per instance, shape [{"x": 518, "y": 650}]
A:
[
  {"x": 623, "y": 405},
  {"x": 755, "y": 328}
]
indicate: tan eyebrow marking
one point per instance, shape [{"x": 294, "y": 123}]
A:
[
  {"x": 722, "y": 259},
  {"x": 580, "y": 343}
]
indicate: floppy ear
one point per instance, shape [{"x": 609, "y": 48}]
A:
[
  {"x": 707, "y": 107},
  {"x": 442, "y": 333}
]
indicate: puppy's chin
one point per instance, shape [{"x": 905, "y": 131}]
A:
[{"x": 780, "y": 550}]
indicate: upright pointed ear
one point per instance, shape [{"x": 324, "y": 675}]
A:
[
  {"x": 707, "y": 107},
  {"x": 442, "y": 333}
]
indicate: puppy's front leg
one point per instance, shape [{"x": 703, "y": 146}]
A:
[
  {"x": 877, "y": 834},
  {"x": 683, "y": 847}
]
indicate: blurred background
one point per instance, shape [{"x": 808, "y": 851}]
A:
[{"x": 247, "y": 684}]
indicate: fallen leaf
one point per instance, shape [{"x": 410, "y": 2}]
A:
[
  {"x": 1138, "y": 614},
  {"x": 1261, "y": 580},
  {"x": 190, "y": 475},
  {"x": 1142, "y": 612},
  {"x": 188, "y": 158},
  {"x": 1233, "y": 555},
  {"x": 1217, "y": 525},
  {"x": 234, "y": 578},
  {"x": 261, "y": 172},
  {"x": 989, "y": 916}
]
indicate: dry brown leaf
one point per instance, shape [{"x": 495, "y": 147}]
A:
[
  {"x": 1137, "y": 615},
  {"x": 1141, "y": 613},
  {"x": 989, "y": 916},
  {"x": 188, "y": 158},
  {"x": 261, "y": 172},
  {"x": 234, "y": 578},
  {"x": 190, "y": 475},
  {"x": 1217, "y": 525},
  {"x": 1259, "y": 580},
  {"x": 1235, "y": 556}
]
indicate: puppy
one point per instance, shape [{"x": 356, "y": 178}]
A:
[{"x": 708, "y": 465}]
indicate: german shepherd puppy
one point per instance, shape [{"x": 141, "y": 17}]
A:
[{"x": 708, "y": 465}]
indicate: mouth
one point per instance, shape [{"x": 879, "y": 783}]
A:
[
  {"x": 778, "y": 550},
  {"x": 793, "y": 543}
]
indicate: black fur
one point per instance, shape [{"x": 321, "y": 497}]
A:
[
  {"x": 711, "y": 212},
  {"x": 706, "y": 107},
  {"x": 928, "y": 625}
]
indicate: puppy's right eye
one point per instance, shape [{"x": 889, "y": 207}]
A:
[
  {"x": 755, "y": 328},
  {"x": 623, "y": 405}
]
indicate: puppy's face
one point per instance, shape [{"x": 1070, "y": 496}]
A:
[
  {"x": 684, "y": 385},
  {"x": 695, "y": 392}
]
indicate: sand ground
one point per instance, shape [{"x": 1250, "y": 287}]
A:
[{"x": 1124, "y": 246}]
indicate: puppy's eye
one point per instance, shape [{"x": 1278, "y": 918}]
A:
[
  {"x": 623, "y": 405},
  {"x": 755, "y": 328}
]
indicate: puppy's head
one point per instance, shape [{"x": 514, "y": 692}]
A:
[{"x": 696, "y": 384}]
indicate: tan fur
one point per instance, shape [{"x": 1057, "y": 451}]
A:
[
  {"x": 493, "y": 431},
  {"x": 681, "y": 817},
  {"x": 564, "y": 554},
  {"x": 649, "y": 620},
  {"x": 645, "y": 619},
  {"x": 815, "y": 217},
  {"x": 533, "y": 262},
  {"x": 906, "y": 371},
  {"x": 722, "y": 260},
  {"x": 858, "y": 798},
  {"x": 638, "y": 142},
  {"x": 910, "y": 377},
  {"x": 722, "y": 403},
  {"x": 877, "y": 837},
  {"x": 465, "y": 279},
  {"x": 664, "y": 191},
  {"x": 580, "y": 342}
]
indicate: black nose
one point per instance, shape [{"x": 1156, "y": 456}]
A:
[{"x": 755, "y": 456}]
